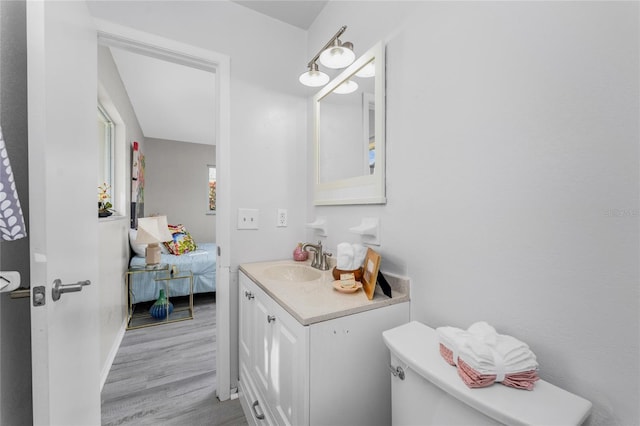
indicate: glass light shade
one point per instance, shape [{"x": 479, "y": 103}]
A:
[
  {"x": 314, "y": 78},
  {"x": 367, "y": 71},
  {"x": 338, "y": 55},
  {"x": 346, "y": 87}
]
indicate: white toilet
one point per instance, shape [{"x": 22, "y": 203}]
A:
[{"x": 425, "y": 390}]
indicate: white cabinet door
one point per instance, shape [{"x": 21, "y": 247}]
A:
[
  {"x": 262, "y": 342},
  {"x": 254, "y": 347},
  {"x": 289, "y": 392},
  {"x": 274, "y": 355}
]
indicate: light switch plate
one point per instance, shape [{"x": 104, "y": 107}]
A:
[{"x": 248, "y": 218}]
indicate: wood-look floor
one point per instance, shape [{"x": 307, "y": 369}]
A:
[{"x": 166, "y": 375}]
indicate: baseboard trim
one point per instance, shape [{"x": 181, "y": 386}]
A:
[{"x": 112, "y": 354}]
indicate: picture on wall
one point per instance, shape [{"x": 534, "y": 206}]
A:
[
  {"x": 212, "y": 189},
  {"x": 137, "y": 184}
]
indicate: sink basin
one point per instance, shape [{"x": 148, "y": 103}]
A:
[{"x": 293, "y": 273}]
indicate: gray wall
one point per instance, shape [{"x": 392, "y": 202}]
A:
[
  {"x": 176, "y": 185},
  {"x": 15, "y": 320}
]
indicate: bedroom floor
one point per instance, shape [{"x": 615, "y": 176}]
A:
[{"x": 167, "y": 375}]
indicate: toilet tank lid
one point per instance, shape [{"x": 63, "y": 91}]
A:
[{"x": 415, "y": 345}]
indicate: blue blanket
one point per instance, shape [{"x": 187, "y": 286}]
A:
[{"x": 201, "y": 262}]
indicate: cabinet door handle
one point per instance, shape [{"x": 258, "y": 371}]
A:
[
  {"x": 248, "y": 295},
  {"x": 270, "y": 318},
  {"x": 255, "y": 412}
]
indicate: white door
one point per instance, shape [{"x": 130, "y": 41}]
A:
[{"x": 63, "y": 158}]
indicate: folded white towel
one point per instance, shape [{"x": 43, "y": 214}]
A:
[
  {"x": 513, "y": 354},
  {"x": 452, "y": 338},
  {"x": 484, "y": 332},
  {"x": 486, "y": 351}
]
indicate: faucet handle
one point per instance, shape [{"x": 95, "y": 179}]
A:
[{"x": 324, "y": 263}]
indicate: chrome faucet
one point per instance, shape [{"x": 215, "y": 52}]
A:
[{"x": 319, "y": 256}]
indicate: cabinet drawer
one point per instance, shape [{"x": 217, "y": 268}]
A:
[{"x": 253, "y": 402}]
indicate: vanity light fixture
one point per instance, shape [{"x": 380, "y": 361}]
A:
[{"x": 335, "y": 54}]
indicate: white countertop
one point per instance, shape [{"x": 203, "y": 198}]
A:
[{"x": 315, "y": 301}]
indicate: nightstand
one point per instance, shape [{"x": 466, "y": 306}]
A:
[{"x": 138, "y": 315}]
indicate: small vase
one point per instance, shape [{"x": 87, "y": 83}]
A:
[
  {"x": 299, "y": 254},
  {"x": 162, "y": 308}
]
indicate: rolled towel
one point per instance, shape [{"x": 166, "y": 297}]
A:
[
  {"x": 344, "y": 257},
  {"x": 359, "y": 253}
]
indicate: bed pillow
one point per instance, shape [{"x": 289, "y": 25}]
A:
[
  {"x": 182, "y": 241},
  {"x": 139, "y": 249}
]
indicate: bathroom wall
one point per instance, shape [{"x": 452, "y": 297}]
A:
[
  {"x": 512, "y": 177},
  {"x": 15, "y": 320},
  {"x": 176, "y": 185},
  {"x": 268, "y": 116}
]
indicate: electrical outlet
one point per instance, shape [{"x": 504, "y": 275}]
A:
[
  {"x": 248, "y": 218},
  {"x": 282, "y": 218}
]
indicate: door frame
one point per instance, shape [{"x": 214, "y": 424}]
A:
[{"x": 111, "y": 34}]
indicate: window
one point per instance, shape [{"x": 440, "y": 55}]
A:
[
  {"x": 106, "y": 146},
  {"x": 212, "y": 189}
]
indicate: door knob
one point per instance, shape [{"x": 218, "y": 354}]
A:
[{"x": 59, "y": 289}]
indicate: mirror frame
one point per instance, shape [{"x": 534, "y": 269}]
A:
[{"x": 366, "y": 189}]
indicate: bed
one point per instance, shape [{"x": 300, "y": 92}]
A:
[{"x": 201, "y": 262}]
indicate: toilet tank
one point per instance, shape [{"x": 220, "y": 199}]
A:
[{"x": 426, "y": 390}]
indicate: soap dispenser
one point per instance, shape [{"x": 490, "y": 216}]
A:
[{"x": 299, "y": 254}]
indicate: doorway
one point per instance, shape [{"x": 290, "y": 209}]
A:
[{"x": 113, "y": 35}]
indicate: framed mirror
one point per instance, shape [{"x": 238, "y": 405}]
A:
[{"x": 349, "y": 132}]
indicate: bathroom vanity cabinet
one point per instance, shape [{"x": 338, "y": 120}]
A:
[{"x": 325, "y": 370}]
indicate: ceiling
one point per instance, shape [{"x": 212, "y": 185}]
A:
[
  {"x": 176, "y": 102},
  {"x": 171, "y": 101},
  {"x": 300, "y": 13}
]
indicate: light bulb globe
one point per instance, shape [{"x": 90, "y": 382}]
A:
[
  {"x": 313, "y": 78},
  {"x": 346, "y": 87},
  {"x": 338, "y": 55}
]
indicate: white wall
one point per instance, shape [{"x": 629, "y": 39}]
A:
[
  {"x": 268, "y": 115},
  {"x": 176, "y": 185},
  {"x": 114, "y": 259},
  {"x": 512, "y": 179}
]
